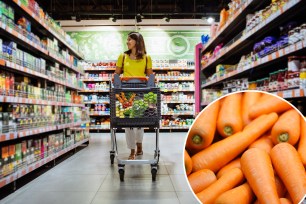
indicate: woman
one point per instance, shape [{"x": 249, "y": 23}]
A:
[{"x": 132, "y": 63}]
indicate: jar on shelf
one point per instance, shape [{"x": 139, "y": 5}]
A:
[
  {"x": 293, "y": 63},
  {"x": 274, "y": 7},
  {"x": 252, "y": 85},
  {"x": 303, "y": 78},
  {"x": 280, "y": 79},
  {"x": 266, "y": 84}
]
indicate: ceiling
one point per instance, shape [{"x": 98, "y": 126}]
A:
[{"x": 128, "y": 9}]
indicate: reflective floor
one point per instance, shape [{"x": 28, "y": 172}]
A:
[{"x": 88, "y": 178}]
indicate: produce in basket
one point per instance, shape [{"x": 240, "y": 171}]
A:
[{"x": 264, "y": 162}]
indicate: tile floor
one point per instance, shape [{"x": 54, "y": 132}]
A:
[{"x": 88, "y": 178}]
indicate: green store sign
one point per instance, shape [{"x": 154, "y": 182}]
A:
[{"x": 107, "y": 45}]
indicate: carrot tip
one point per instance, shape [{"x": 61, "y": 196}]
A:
[
  {"x": 284, "y": 137},
  {"x": 228, "y": 130},
  {"x": 197, "y": 139}
]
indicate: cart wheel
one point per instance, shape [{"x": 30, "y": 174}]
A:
[
  {"x": 121, "y": 173},
  {"x": 112, "y": 158},
  {"x": 154, "y": 172}
]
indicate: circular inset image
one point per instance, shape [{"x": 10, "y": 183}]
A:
[{"x": 247, "y": 147}]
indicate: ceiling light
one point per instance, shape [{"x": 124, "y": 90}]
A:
[
  {"x": 210, "y": 20},
  {"x": 166, "y": 18},
  {"x": 138, "y": 18},
  {"x": 113, "y": 18},
  {"x": 78, "y": 18}
]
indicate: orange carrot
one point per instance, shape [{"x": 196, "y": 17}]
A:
[
  {"x": 201, "y": 179},
  {"x": 233, "y": 164},
  {"x": 188, "y": 163},
  {"x": 280, "y": 187},
  {"x": 257, "y": 168},
  {"x": 290, "y": 169},
  {"x": 230, "y": 118},
  {"x": 269, "y": 105},
  {"x": 242, "y": 194},
  {"x": 220, "y": 153},
  {"x": 249, "y": 98},
  {"x": 228, "y": 181},
  {"x": 302, "y": 142},
  {"x": 202, "y": 132},
  {"x": 264, "y": 143},
  {"x": 287, "y": 128},
  {"x": 285, "y": 201}
]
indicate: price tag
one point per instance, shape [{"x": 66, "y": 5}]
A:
[
  {"x": 292, "y": 48},
  {"x": 3, "y": 26},
  {"x": 287, "y": 50},
  {"x": 299, "y": 45},
  {"x": 287, "y": 94},
  {"x": 18, "y": 2},
  {"x": 297, "y": 92},
  {"x": 264, "y": 60},
  {"x": 281, "y": 52},
  {"x": 33, "y": 15},
  {"x": 9, "y": 30},
  {"x": 273, "y": 55}
]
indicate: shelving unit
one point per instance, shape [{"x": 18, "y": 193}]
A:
[
  {"x": 238, "y": 47},
  {"x": 39, "y": 100},
  {"x": 176, "y": 81},
  {"x": 97, "y": 97}
]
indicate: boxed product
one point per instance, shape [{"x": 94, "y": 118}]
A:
[
  {"x": 44, "y": 147},
  {"x": 37, "y": 149}
]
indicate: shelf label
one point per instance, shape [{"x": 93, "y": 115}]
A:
[
  {"x": 287, "y": 50},
  {"x": 287, "y": 94},
  {"x": 297, "y": 92},
  {"x": 264, "y": 60},
  {"x": 3, "y": 26},
  {"x": 281, "y": 52},
  {"x": 10, "y": 30},
  {"x": 273, "y": 55},
  {"x": 292, "y": 48},
  {"x": 299, "y": 45}
]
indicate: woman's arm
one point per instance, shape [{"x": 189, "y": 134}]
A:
[
  {"x": 118, "y": 70},
  {"x": 149, "y": 72}
]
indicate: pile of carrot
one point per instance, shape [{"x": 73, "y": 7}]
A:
[{"x": 248, "y": 147}]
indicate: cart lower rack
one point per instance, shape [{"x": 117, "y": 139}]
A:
[{"x": 134, "y": 103}]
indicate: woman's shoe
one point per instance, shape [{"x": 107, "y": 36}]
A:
[
  {"x": 139, "y": 149},
  {"x": 132, "y": 157}
]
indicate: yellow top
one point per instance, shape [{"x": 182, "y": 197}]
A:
[{"x": 133, "y": 68}]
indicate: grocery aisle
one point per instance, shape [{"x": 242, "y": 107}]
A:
[{"x": 88, "y": 178}]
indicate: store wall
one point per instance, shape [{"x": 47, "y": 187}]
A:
[{"x": 160, "y": 44}]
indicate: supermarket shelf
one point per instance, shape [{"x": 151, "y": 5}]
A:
[
  {"x": 172, "y": 68},
  {"x": 178, "y": 114},
  {"x": 12, "y": 99},
  {"x": 265, "y": 61},
  {"x": 99, "y": 113},
  {"x": 43, "y": 24},
  {"x": 175, "y": 90},
  {"x": 36, "y": 131},
  {"x": 94, "y": 91},
  {"x": 21, "y": 172},
  {"x": 100, "y": 69},
  {"x": 22, "y": 69},
  {"x": 103, "y": 102},
  {"x": 286, "y": 94},
  {"x": 178, "y": 101},
  {"x": 100, "y": 79},
  {"x": 8, "y": 136},
  {"x": 293, "y": 93},
  {"x": 98, "y": 128},
  {"x": 178, "y": 79},
  {"x": 175, "y": 127},
  {"x": 68, "y": 125},
  {"x": 29, "y": 44},
  {"x": 245, "y": 42},
  {"x": 236, "y": 21}
]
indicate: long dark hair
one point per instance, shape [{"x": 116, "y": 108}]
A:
[{"x": 140, "y": 45}]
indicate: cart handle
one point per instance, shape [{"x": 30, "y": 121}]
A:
[{"x": 140, "y": 78}]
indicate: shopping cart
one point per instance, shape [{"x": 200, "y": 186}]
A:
[{"x": 134, "y": 103}]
